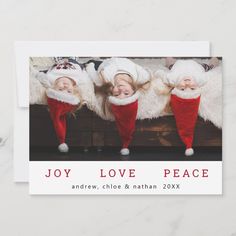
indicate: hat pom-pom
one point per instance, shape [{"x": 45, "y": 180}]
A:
[
  {"x": 124, "y": 151},
  {"x": 189, "y": 152},
  {"x": 63, "y": 147}
]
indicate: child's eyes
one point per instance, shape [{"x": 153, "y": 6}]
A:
[{"x": 192, "y": 88}]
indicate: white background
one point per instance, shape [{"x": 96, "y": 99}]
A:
[{"x": 213, "y": 20}]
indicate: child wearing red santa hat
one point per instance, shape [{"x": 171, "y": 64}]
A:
[
  {"x": 186, "y": 77},
  {"x": 120, "y": 80},
  {"x": 61, "y": 82}
]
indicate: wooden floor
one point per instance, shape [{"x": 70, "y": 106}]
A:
[
  {"x": 137, "y": 154},
  {"x": 89, "y": 130}
]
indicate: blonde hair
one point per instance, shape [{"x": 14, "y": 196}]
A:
[
  {"x": 105, "y": 90},
  {"x": 77, "y": 93}
]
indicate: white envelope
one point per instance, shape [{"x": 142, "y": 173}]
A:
[{"x": 25, "y": 50}]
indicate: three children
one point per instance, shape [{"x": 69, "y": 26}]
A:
[{"x": 121, "y": 81}]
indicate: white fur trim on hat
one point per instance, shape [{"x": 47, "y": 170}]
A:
[
  {"x": 124, "y": 151},
  {"x": 123, "y": 101},
  {"x": 186, "y": 94},
  {"x": 62, "y": 96},
  {"x": 189, "y": 152},
  {"x": 63, "y": 147}
]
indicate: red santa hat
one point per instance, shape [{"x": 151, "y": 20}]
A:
[
  {"x": 185, "y": 103},
  {"x": 185, "y": 111},
  {"x": 125, "y": 116},
  {"x": 58, "y": 110}
]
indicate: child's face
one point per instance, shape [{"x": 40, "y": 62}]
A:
[
  {"x": 122, "y": 88},
  {"x": 187, "y": 83},
  {"x": 64, "y": 84}
]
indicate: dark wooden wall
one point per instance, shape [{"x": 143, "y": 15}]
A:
[{"x": 88, "y": 130}]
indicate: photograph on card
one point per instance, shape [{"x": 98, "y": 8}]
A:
[{"x": 125, "y": 108}]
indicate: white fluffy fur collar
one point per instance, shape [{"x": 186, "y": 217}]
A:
[
  {"x": 62, "y": 97},
  {"x": 125, "y": 101},
  {"x": 186, "y": 94}
]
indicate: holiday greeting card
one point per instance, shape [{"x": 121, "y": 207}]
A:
[
  {"x": 125, "y": 125},
  {"x": 26, "y": 49}
]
